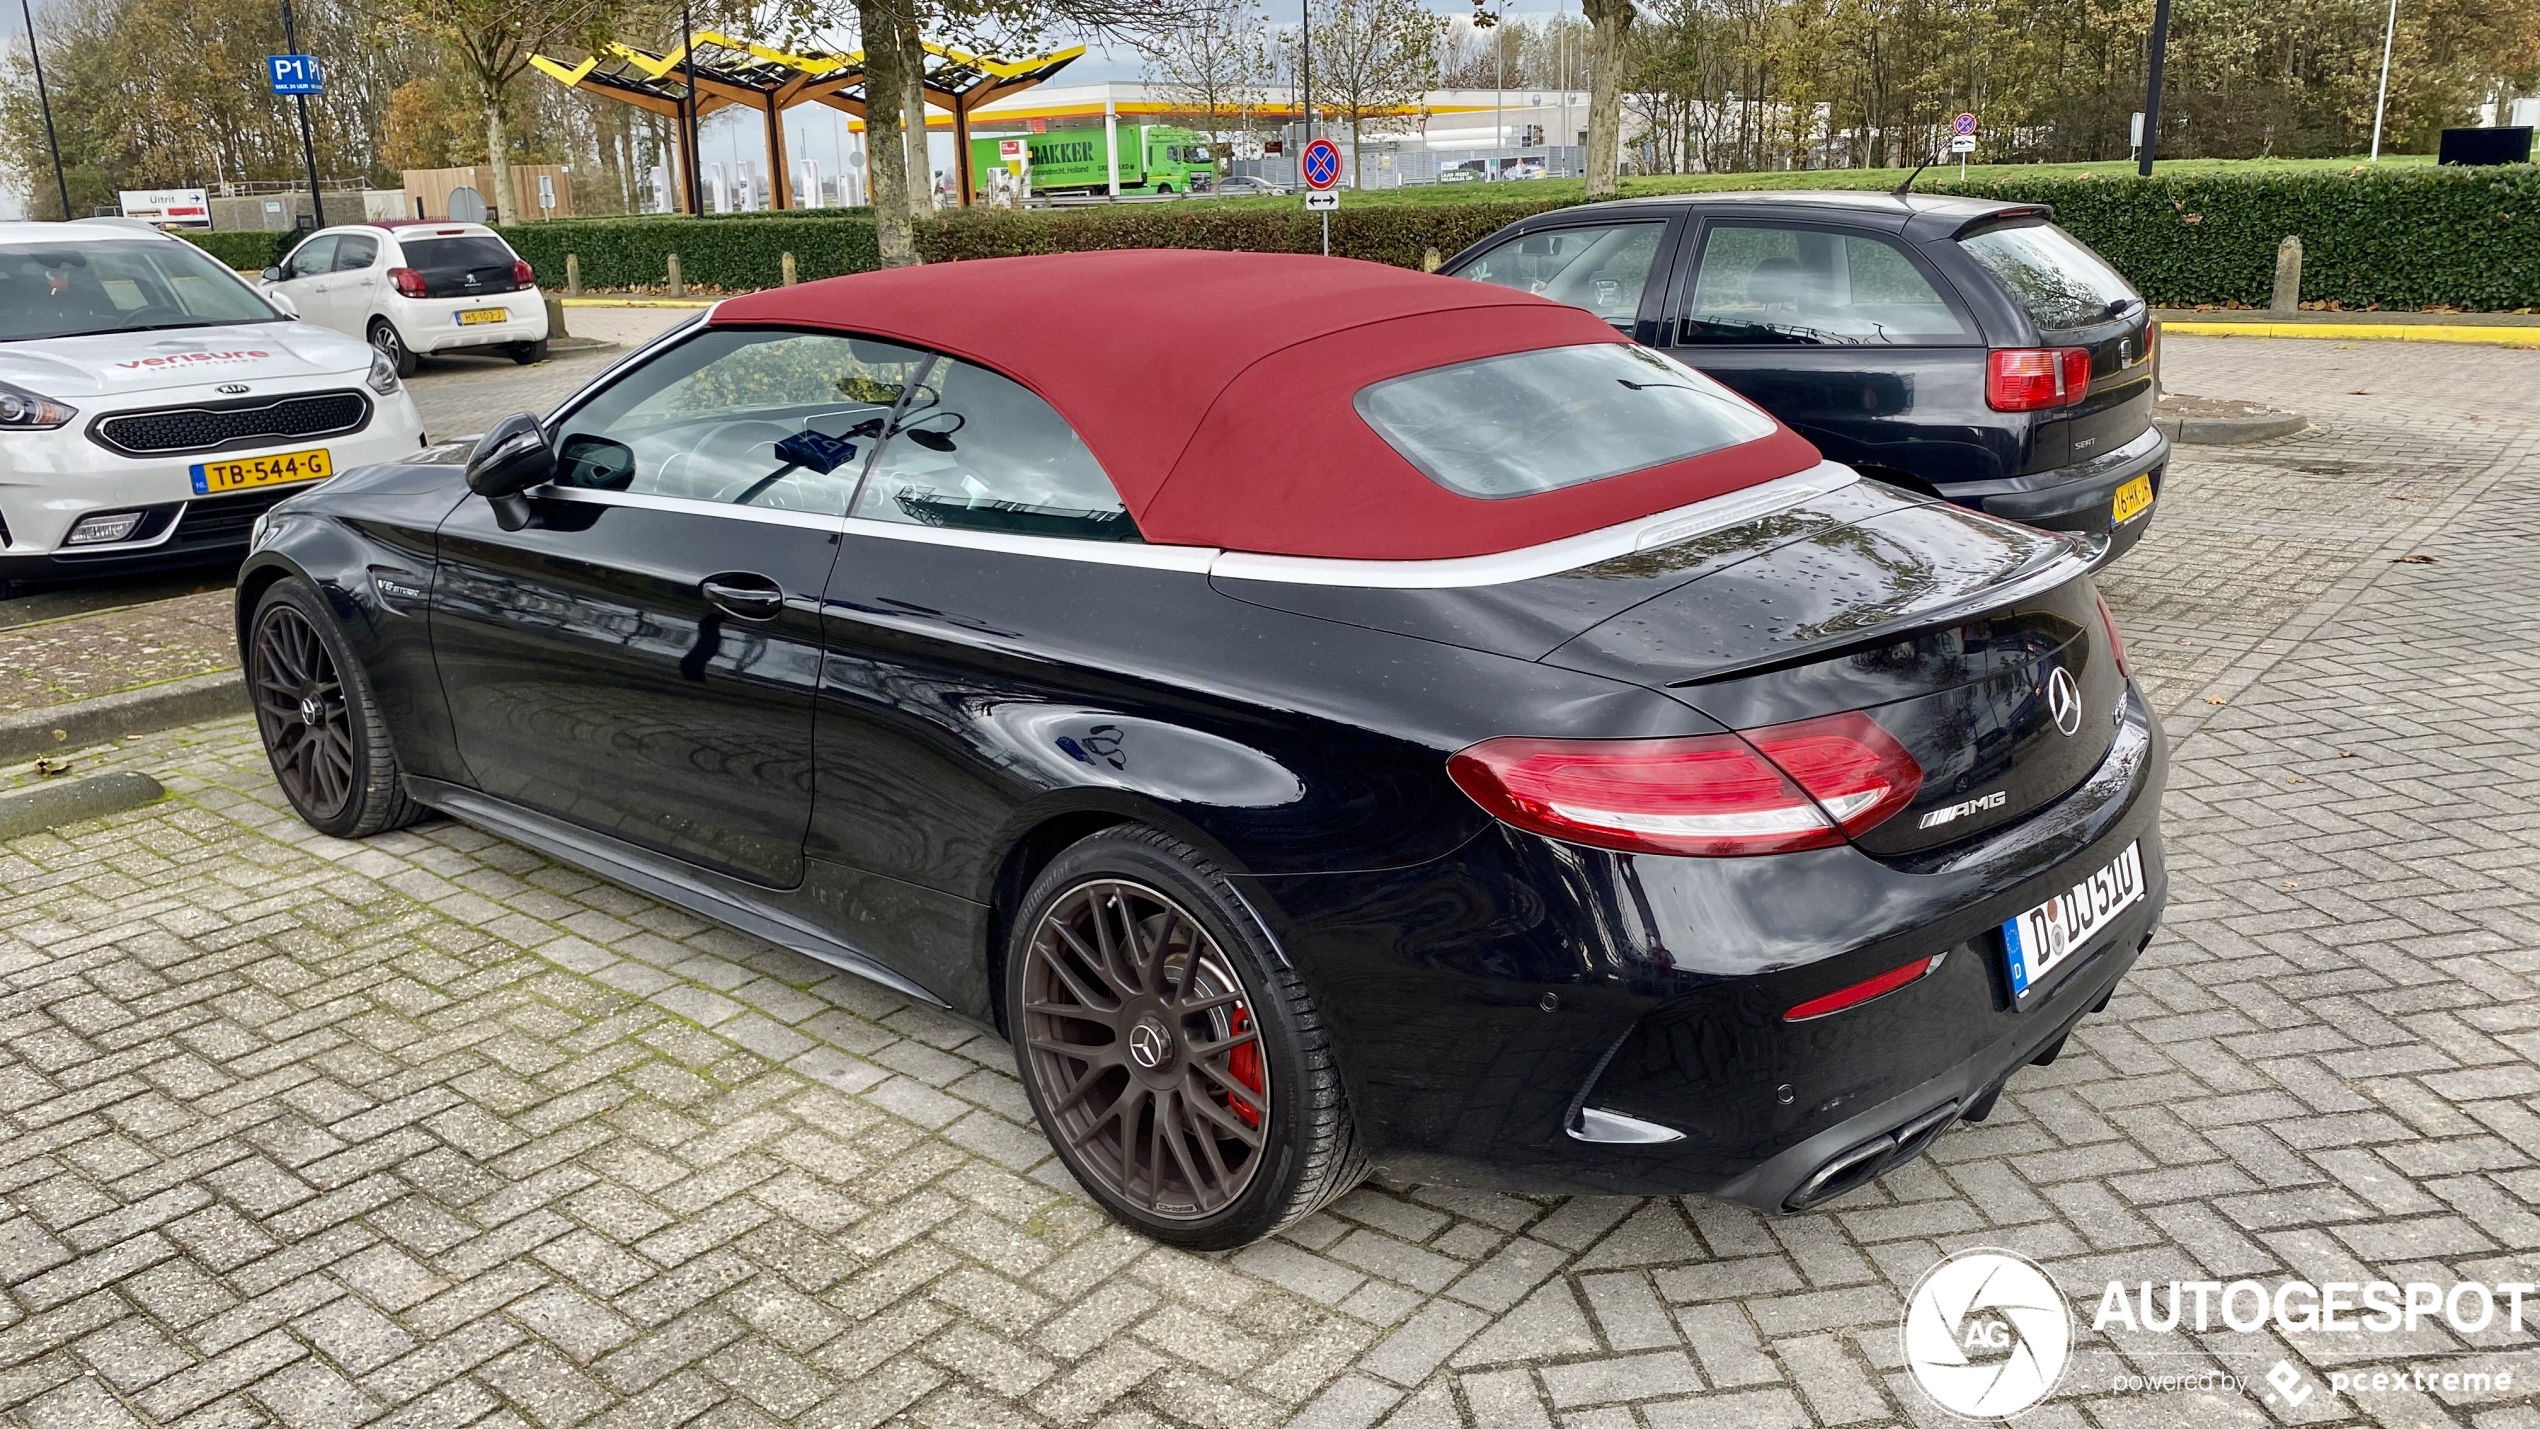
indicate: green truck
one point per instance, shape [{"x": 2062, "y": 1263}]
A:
[{"x": 1154, "y": 158}]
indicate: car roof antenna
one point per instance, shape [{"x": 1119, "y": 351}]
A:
[{"x": 1908, "y": 186}]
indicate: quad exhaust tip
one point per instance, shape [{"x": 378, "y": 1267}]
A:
[{"x": 1865, "y": 1162}]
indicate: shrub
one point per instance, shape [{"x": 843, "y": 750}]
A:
[
  {"x": 1382, "y": 233},
  {"x": 247, "y": 250},
  {"x": 716, "y": 252}
]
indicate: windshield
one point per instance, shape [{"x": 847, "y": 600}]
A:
[
  {"x": 1555, "y": 417},
  {"x": 118, "y": 285},
  {"x": 2061, "y": 282}
]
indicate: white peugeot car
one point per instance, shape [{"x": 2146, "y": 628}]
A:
[
  {"x": 152, "y": 405},
  {"x": 412, "y": 287}
]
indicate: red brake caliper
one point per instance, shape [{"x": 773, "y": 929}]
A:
[{"x": 1244, "y": 1065}]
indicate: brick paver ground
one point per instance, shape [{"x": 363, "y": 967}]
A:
[{"x": 430, "y": 1131}]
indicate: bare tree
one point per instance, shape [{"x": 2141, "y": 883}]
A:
[
  {"x": 1608, "y": 21},
  {"x": 1214, "y": 65},
  {"x": 1373, "y": 59}
]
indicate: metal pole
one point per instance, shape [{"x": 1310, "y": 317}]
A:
[
  {"x": 2381, "y": 102},
  {"x": 1305, "y": 42},
  {"x": 688, "y": 112},
  {"x": 46, "y": 102},
  {"x": 308, "y": 148},
  {"x": 1499, "y": 97},
  {"x": 2152, "y": 88}
]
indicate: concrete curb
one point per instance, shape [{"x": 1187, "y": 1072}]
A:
[
  {"x": 640, "y": 302},
  {"x": 109, "y": 717},
  {"x": 39, "y": 807},
  {"x": 2229, "y": 431},
  {"x": 2497, "y": 335}
]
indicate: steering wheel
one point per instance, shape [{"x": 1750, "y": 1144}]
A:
[{"x": 721, "y": 459}]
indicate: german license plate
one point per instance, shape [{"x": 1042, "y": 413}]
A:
[
  {"x": 473, "y": 316},
  {"x": 2133, "y": 499},
  {"x": 2042, "y": 939},
  {"x": 211, "y": 478}
]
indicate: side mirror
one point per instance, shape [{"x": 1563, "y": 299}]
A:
[
  {"x": 271, "y": 275},
  {"x": 509, "y": 460}
]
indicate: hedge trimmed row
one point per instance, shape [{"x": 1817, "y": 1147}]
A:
[
  {"x": 2414, "y": 237},
  {"x": 246, "y": 250},
  {"x": 713, "y": 252}
]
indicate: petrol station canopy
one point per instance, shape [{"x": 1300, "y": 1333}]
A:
[{"x": 732, "y": 71}]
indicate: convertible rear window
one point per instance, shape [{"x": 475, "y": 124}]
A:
[
  {"x": 2058, "y": 279},
  {"x": 1555, "y": 417}
]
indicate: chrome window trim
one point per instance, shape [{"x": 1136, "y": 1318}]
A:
[
  {"x": 1552, "y": 557},
  {"x": 1500, "y": 568}
]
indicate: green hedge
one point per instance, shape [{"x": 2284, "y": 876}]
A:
[
  {"x": 1383, "y": 233},
  {"x": 733, "y": 253},
  {"x": 245, "y": 250},
  {"x": 2414, "y": 237}
]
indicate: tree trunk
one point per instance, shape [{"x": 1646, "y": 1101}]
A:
[
  {"x": 497, "y": 153},
  {"x": 1608, "y": 19},
  {"x": 885, "y": 152},
  {"x": 921, "y": 164}
]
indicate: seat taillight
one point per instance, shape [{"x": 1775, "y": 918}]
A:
[
  {"x": 2032, "y": 379},
  {"x": 1777, "y": 789}
]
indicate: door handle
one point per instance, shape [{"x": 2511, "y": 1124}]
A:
[{"x": 744, "y": 595}]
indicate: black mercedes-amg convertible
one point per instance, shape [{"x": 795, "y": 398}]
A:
[{"x": 1342, "y": 718}]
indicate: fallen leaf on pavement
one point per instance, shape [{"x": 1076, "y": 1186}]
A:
[
  {"x": 2216, "y": 700},
  {"x": 2414, "y": 558}
]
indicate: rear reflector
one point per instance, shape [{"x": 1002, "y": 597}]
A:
[
  {"x": 2116, "y": 642},
  {"x": 1866, "y": 989},
  {"x": 2031, "y": 379},
  {"x": 1775, "y": 790}
]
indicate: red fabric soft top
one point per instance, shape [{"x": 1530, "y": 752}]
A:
[{"x": 1215, "y": 389}]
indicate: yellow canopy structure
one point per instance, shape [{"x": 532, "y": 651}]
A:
[{"x": 732, "y": 71}]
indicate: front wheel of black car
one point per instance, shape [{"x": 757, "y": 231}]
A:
[
  {"x": 1175, "y": 1062},
  {"x": 320, "y": 722}
]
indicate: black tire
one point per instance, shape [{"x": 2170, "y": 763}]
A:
[
  {"x": 526, "y": 353},
  {"x": 319, "y": 718},
  {"x": 383, "y": 335},
  {"x": 1080, "y": 1067}
]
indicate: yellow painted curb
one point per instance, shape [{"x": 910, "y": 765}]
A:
[
  {"x": 639, "y": 302},
  {"x": 2386, "y": 332}
]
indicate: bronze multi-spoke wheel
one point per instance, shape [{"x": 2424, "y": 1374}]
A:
[
  {"x": 321, "y": 728},
  {"x": 1134, "y": 1018},
  {"x": 1178, "y": 1065}
]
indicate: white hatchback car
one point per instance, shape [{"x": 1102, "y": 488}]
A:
[
  {"x": 413, "y": 287},
  {"x": 152, "y": 405}
]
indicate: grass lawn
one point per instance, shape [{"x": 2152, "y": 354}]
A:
[{"x": 1573, "y": 189}]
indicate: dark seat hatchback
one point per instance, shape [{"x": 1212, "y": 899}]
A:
[{"x": 1967, "y": 348}]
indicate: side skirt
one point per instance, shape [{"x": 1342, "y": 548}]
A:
[{"x": 708, "y": 895}]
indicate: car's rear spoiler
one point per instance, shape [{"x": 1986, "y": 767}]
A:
[{"x": 2025, "y": 213}]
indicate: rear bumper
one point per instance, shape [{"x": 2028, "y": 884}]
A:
[
  {"x": 2076, "y": 498},
  {"x": 1485, "y": 1002}
]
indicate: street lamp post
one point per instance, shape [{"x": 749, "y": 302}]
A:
[
  {"x": 45, "y": 102},
  {"x": 2381, "y": 102},
  {"x": 688, "y": 113},
  {"x": 2152, "y": 87},
  {"x": 308, "y": 146},
  {"x": 1305, "y": 51}
]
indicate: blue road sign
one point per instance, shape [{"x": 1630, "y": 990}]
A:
[
  {"x": 1963, "y": 124},
  {"x": 295, "y": 74},
  {"x": 1321, "y": 164}
]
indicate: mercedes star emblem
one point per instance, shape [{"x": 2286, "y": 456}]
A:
[
  {"x": 1146, "y": 1043},
  {"x": 2063, "y": 701}
]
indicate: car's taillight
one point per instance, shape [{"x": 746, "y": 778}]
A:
[
  {"x": 2030, "y": 379},
  {"x": 408, "y": 281},
  {"x": 522, "y": 273},
  {"x": 2116, "y": 642},
  {"x": 1862, "y": 991},
  {"x": 1772, "y": 790}
]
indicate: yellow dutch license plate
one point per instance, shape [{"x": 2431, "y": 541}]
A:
[
  {"x": 2133, "y": 499},
  {"x": 473, "y": 316},
  {"x": 211, "y": 478}
]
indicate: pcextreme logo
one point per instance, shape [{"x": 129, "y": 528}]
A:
[{"x": 1987, "y": 1333}]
